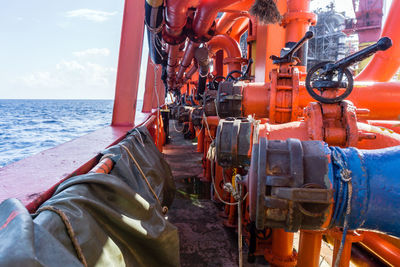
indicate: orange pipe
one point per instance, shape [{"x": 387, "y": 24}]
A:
[
  {"x": 385, "y": 64},
  {"x": 176, "y": 15},
  {"x": 255, "y": 100},
  {"x": 381, "y": 98},
  {"x": 384, "y": 138},
  {"x": 229, "y": 45},
  {"x": 309, "y": 249},
  {"x": 200, "y": 140},
  {"x": 282, "y": 249},
  {"x": 228, "y": 20},
  {"x": 239, "y": 28},
  {"x": 104, "y": 166},
  {"x": 364, "y": 95},
  {"x": 243, "y": 5},
  {"x": 382, "y": 248},
  {"x": 206, "y": 14},
  {"x": 187, "y": 58},
  {"x": 297, "y": 19}
]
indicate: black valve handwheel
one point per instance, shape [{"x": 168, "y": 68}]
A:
[{"x": 319, "y": 80}]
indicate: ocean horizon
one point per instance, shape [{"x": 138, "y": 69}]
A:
[{"x": 29, "y": 126}]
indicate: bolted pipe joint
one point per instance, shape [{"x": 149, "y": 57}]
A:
[
  {"x": 233, "y": 142},
  {"x": 287, "y": 184},
  {"x": 307, "y": 185}
]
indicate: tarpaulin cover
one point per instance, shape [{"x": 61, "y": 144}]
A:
[{"x": 115, "y": 218}]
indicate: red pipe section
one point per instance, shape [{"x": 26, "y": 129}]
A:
[
  {"x": 176, "y": 15},
  {"x": 239, "y": 28},
  {"x": 385, "y": 64},
  {"x": 382, "y": 248},
  {"x": 173, "y": 51},
  {"x": 228, "y": 20},
  {"x": 230, "y": 46},
  {"x": 206, "y": 14},
  {"x": 187, "y": 58},
  {"x": 366, "y": 95}
]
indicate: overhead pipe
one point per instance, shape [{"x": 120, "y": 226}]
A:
[
  {"x": 187, "y": 58},
  {"x": 190, "y": 72},
  {"x": 176, "y": 15},
  {"x": 230, "y": 46},
  {"x": 239, "y": 28},
  {"x": 385, "y": 64},
  {"x": 173, "y": 51},
  {"x": 228, "y": 19},
  {"x": 203, "y": 19},
  {"x": 203, "y": 62},
  {"x": 207, "y": 12}
]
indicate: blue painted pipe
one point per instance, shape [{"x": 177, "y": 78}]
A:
[{"x": 375, "y": 182}]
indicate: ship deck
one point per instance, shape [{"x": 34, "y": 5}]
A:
[{"x": 204, "y": 240}]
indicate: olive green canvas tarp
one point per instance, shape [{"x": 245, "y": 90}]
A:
[{"x": 115, "y": 218}]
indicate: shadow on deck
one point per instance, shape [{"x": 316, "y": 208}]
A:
[{"x": 204, "y": 241}]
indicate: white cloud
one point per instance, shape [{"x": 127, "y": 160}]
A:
[
  {"x": 73, "y": 79},
  {"x": 90, "y": 14},
  {"x": 92, "y": 52}
]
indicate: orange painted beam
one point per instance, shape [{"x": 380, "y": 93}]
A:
[{"x": 130, "y": 56}]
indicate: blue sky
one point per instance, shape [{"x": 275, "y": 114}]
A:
[
  {"x": 54, "y": 49},
  {"x": 59, "y": 49}
]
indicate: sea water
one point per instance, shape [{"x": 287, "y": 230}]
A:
[{"x": 28, "y": 127}]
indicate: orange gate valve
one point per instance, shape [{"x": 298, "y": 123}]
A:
[{"x": 284, "y": 87}]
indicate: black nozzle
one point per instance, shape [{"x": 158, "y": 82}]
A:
[
  {"x": 384, "y": 43},
  {"x": 309, "y": 35},
  {"x": 288, "y": 57}
]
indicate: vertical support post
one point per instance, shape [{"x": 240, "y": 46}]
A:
[
  {"x": 130, "y": 55},
  {"x": 270, "y": 40},
  {"x": 149, "y": 88},
  {"x": 160, "y": 88},
  {"x": 309, "y": 249}
]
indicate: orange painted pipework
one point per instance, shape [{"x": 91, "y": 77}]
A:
[
  {"x": 228, "y": 19},
  {"x": 364, "y": 95},
  {"x": 239, "y": 28},
  {"x": 206, "y": 13},
  {"x": 382, "y": 99},
  {"x": 229, "y": 45},
  {"x": 300, "y": 130},
  {"x": 243, "y": 5},
  {"x": 309, "y": 248},
  {"x": 187, "y": 58},
  {"x": 385, "y": 64},
  {"x": 173, "y": 51},
  {"x": 297, "y": 19},
  {"x": 255, "y": 99},
  {"x": 176, "y": 15},
  {"x": 382, "y": 248}
]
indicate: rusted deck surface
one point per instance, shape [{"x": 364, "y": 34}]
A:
[{"x": 204, "y": 241}]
